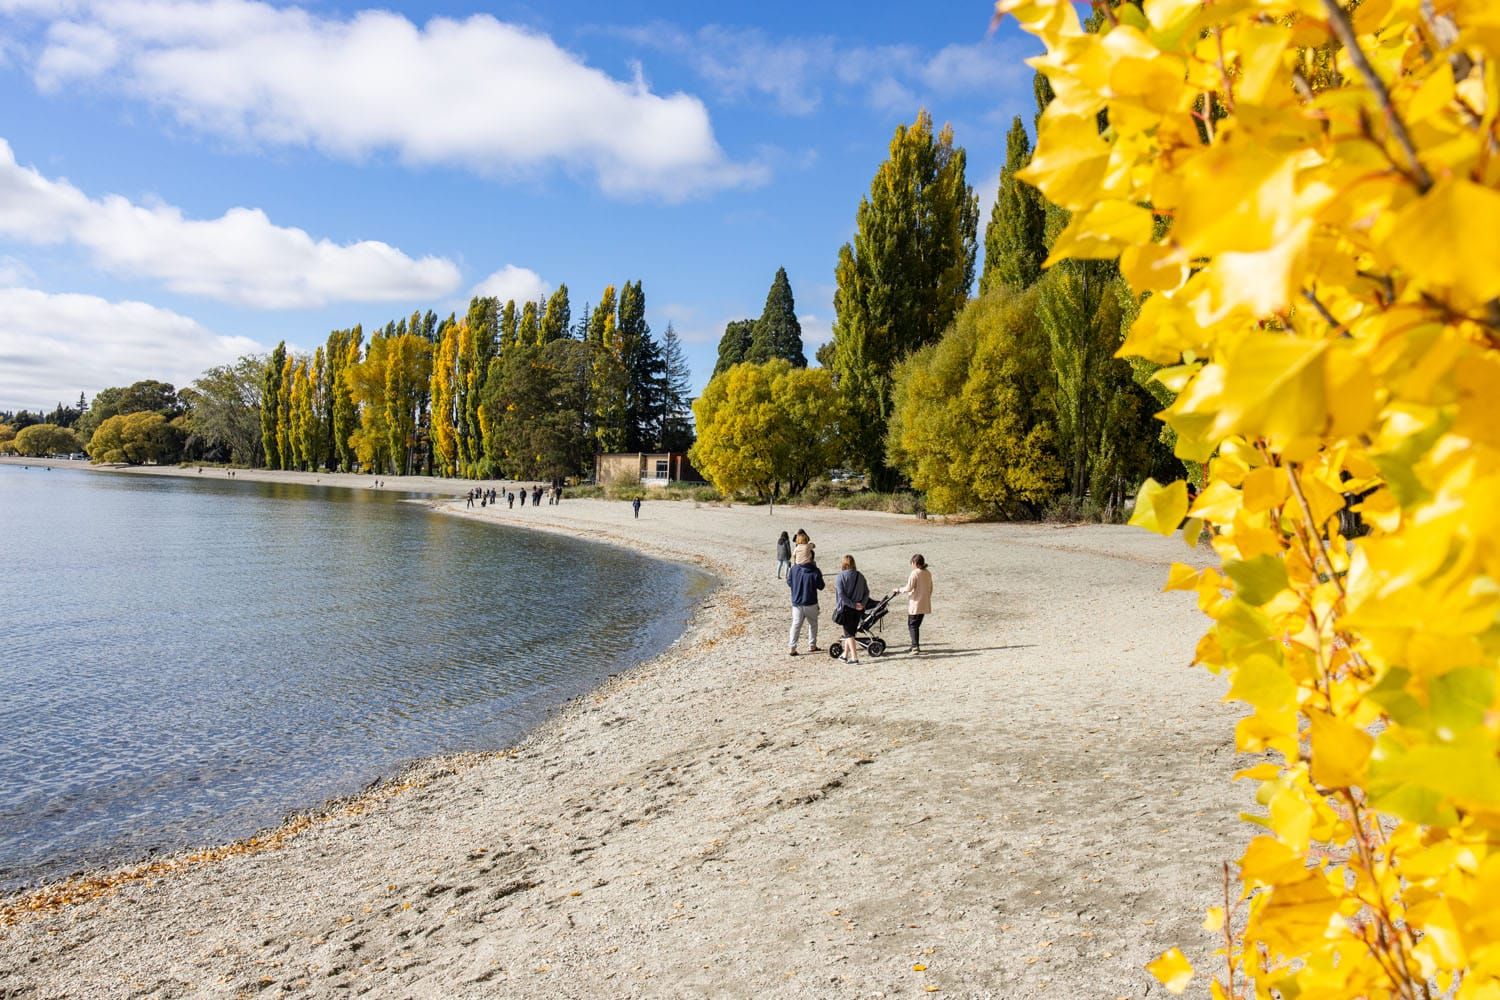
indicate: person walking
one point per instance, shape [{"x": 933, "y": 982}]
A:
[
  {"x": 636, "y": 506},
  {"x": 918, "y": 591},
  {"x": 783, "y": 555},
  {"x": 805, "y": 580},
  {"x": 523, "y": 496},
  {"x": 851, "y": 593}
]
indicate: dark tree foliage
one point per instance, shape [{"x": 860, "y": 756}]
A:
[
  {"x": 734, "y": 346},
  {"x": 778, "y": 334}
]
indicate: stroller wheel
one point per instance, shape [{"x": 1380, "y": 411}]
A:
[
  {"x": 877, "y": 646},
  {"x": 835, "y": 649}
]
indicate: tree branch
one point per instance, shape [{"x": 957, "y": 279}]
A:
[{"x": 1344, "y": 29}]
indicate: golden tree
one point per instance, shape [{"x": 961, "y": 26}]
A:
[{"x": 1309, "y": 195}]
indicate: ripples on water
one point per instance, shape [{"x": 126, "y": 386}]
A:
[{"x": 184, "y": 661}]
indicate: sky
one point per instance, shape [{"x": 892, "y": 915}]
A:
[{"x": 186, "y": 181}]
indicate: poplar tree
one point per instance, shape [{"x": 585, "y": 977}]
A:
[
  {"x": 903, "y": 279},
  {"x": 477, "y": 346},
  {"x": 609, "y": 380},
  {"x": 509, "y": 323},
  {"x": 270, "y": 391},
  {"x": 734, "y": 345},
  {"x": 345, "y": 412},
  {"x": 408, "y": 374},
  {"x": 558, "y": 317},
  {"x": 284, "y": 413},
  {"x": 444, "y": 429},
  {"x": 778, "y": 334},
  {"x": 1015, "y": 243},
  {"x": 529, "y": 331}
]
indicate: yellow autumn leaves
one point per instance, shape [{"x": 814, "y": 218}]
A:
[{"x": 1307, "y": 197}]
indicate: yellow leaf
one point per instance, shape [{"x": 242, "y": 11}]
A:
[
  {"x": 1265, "y": 488},
  {"x": 1447, "y": 238},
  {"x": 1172, "y": 969},
  {"x": 919, "y": 967},
  {"x": 1218, "y": 503},
  {"x": 1340, "y": 751},
  {"x": 1160, "y": 508},
  {"x": 1213, "y": 921}
]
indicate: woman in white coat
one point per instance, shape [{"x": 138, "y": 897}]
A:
[{"x": 918, "y": 591}]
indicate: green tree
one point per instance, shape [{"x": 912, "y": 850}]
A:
[
  {"x": 734, "y": 346},
  {"x": 972, "y": 415},
  {"x": 1015, "y": 240},
  {"x": 903, "y": 279},
  {"x": 283, "y": 401},
  {"x": 609, "y": 384},
  {"x": 778, "y": 333},
  {"x": 344, "y": 416},
  {"x": 558, "y": 318},
  {"x": 534, "y": 400},
  {"x": 478, "y": 343},
  {"x": 225, "y": 419},
  {"x": 768, "y": 426},
  {"x": 270, "y": 392},
  {"x": 529, "y": 332},
  {"x": 42, "y": 440}
]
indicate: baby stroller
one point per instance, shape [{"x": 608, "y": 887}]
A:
[{"x": 872, "y": 615}]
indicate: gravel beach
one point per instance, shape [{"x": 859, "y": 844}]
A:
[{"x": 1036, "y": 806}]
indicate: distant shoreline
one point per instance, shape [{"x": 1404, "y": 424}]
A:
[{"x": 343, "y": 480}]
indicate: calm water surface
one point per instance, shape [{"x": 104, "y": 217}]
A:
[{"x": 185, "y": 661}]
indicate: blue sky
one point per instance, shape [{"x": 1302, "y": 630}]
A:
[{"x": 185, "y": 181}]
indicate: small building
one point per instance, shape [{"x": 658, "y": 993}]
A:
[{"x": 646, "y": 468}]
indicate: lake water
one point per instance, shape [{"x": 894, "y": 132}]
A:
[{"x": 185, "y": 661}]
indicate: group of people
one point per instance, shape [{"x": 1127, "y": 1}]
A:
[
  {"x": 491, "y": 497},
  {"x": 796, "y": 559}
]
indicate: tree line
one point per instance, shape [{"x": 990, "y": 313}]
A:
[
  {"x": 1009, "y": 403},
  {"x": 508, "y": 389}
]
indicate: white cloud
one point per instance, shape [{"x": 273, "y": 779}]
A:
[
  {"x": 54, "y": 346},
  {"x": 478, "y": 93},
  {"x": 511, "y": 282},
  {"x": 240, "y": 257}
]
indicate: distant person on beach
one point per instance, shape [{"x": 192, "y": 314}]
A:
[
  {"x": 471, "y": 498},
  {"x": 783, "y": 555},
  {"x": 536, "y": 497},
  {"x": 523, "y": 498},
  {"x": 805, "y": 580},
  {"x": 510, "y": 498},
  {"x": 918, "y": 591},
  {"x": 636, "y": 506},
  {"x": 850, "y": 594}
]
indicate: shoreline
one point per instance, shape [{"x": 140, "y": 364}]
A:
[{"x": 724, "y": 818}]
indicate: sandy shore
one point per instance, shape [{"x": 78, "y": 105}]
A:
[{"x": 1036, "y": 807}]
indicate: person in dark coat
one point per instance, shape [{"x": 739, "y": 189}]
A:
[
  {"x": 783, "y": 554},
  {"x": 805, "y": 580},
  {"x": 636, "y": 506},
  {"x": 851, "y": 594}
]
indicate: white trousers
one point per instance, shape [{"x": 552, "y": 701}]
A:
[{"x": 804, "y": 613}]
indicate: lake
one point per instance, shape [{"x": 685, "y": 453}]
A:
[{"x": 185, "y": 661}]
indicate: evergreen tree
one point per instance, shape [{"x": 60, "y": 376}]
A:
[
  {"x": 778, "y": 334},
  {"x": 676, "y": 402},
  {"x": 270, "y": 391},
  {"x": 734, "y": 346},
  {"x": 643, "y": 361},
  {"x": 1015, "y": 239},
  {"x": 557, "y": 319},
  {"x": 904, "y": 278}
]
